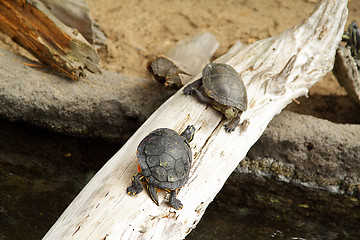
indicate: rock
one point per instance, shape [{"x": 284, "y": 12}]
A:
[
  {"x": 308, "y": 151},
  {"x": 107, "y": 105}
]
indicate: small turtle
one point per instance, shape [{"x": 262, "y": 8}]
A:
[
  {"x": 164, "y": 163},
  {"x": 221, "y": 87},
  {"x": 352, "y": 39},
  {"x": 166, "y": 71}
]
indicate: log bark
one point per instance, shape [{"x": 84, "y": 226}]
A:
[
  {"x": 275, "y": 71},
  {"x": 34, "y": 27}
]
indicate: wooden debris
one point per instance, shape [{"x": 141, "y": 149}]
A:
[
  {"x": 34, "y": 27},
  {"x": 274, "y": 70},
  {"x": 76, "y": 14}
]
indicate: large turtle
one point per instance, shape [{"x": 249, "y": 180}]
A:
[
  {"x": 164, "y": 163},
  {"x": 221, "y": 87}
]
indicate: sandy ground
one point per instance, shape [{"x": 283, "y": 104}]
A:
[{"x": 137, "y": 30}]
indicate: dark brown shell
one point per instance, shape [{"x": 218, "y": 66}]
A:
[
  {"x": 165, "y": 159},
  {"x": 223, "y": 84}
]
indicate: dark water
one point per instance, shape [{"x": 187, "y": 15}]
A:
[
  {"x": 41, "y": 172},
  {"x": 259, "y": 208}
]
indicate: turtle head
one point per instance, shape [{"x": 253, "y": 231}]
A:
[
  {"x": 230, "y": 113},
  {"x": 188, "y": 133}
]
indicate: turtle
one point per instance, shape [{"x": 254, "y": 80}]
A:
[
  {"x": 352, "y": 39},
  {"x": 222, "y": 87},
  {"x": 164, "y": 162}
]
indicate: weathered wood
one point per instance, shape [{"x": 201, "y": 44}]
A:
[
  {"x": 76, "y": 14},
  {"x": 34, "y": 27},
  {"x": 275, "y": 71}
]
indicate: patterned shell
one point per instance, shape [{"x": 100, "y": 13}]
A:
[
  {"x": 223, "y": 84},
  {"x": 165, "y": 159}
]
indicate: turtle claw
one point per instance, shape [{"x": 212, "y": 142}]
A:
[
  {"x": 177, "y": 204},
  {"x": 188, "y": 90},
  {"x": 174, "y": 202},
  {"x": 136, "y": 186},
  {"x": 133, "y": 191},
  {"x": 230, "y": 127},
  {"x": 191, "y": 88}
]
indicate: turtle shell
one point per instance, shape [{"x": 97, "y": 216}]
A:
[
  {"x": 165, "y": 159},
  {"x": 223, "y": 84}
]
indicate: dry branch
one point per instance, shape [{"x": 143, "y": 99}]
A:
[
  {"x": 34, "y": 27},
  {"x": 275, "y": 71}
]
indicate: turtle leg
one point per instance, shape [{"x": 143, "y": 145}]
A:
[
  {"x": 152, "y": 193},
  {"x": 195, "y": 88},
  {"x": 189, "y": 89},
  {"x": 203, "y": 97},
  {"x": 174, "y": 202},
  {"x": 136, "y": 186},
  {"x": 229, "y": 127}
]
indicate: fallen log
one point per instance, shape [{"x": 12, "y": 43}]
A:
[
  {"x": 275, "y": 71},
  {"x": 34, "y": 27}
]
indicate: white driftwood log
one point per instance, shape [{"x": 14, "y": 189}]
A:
[{"x": 275, "y": 71}]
